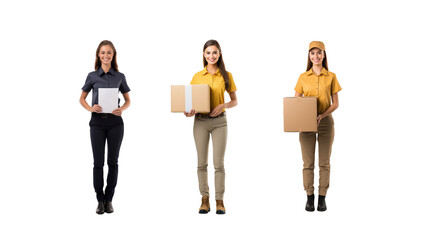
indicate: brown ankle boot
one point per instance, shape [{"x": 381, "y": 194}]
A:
[
  {"x": 205, "y": 205},
  {"x": 220, "y": 209}
]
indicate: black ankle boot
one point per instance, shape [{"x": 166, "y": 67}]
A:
[
  {"x": 321, "y": 204},
  {"x": 100, "y": 208},
  {"x": 309, "y": 206},
  {"x": 108, "y": 207}
]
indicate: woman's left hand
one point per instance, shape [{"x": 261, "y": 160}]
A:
[
  {"x": 217, "y": 110},
  {"x": 117, "y": 112},
  {"x": 319, "y": 118}
]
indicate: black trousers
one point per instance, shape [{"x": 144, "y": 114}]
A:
[{"x": 111, "y": 128}]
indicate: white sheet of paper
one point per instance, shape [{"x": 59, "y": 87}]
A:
[{"x": 108, "y": 99}]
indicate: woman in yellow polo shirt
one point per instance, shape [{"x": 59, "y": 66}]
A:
[
  {"x": 323, "y": 84},
  {"x": 213, "y": 123}
]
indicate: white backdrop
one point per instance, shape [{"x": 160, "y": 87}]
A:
[{"x": 379, "y": 170}]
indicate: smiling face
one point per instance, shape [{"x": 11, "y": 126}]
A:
[
  {"x": 106, "y": 54},
  {"x": 316, "y": 56},
  {"x": 212, "y": 54}
]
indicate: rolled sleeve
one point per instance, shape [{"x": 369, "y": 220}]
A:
[
  {"x": 299, "y": 88},
  {"x": 335, "y": 86},
  {"x": 124, "y": 86},
  {"x": 88, "y": 84},
  {"x": 232, "y": 87}
]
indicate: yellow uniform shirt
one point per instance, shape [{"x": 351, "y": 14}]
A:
[
  {"x": 217, "y": 86},
  {"x": 322, "y": 87}
]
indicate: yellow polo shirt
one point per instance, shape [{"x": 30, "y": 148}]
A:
[
  {"x": 217, "y": 86},
  {"x": 322, "y": 87}
]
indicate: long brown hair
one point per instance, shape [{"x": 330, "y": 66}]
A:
[
  {"x": 220, "y": 64},
  {"x": 97, "y": 58},
  {"x": 324, "y": 62}
]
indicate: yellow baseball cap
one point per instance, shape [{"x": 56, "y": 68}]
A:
[{"x": 317, "y": 44}]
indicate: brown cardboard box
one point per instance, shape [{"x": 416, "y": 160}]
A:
[
  {"x": 300, "y": 114},
  {"x": 190, "y": 96}
]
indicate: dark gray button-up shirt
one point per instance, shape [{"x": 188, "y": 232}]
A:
[{"x": 99, "y": 79}]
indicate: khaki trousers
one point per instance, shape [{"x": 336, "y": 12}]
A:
[
  {"x": 217, "y": 128},
  {"x": 325, "y": 136}
]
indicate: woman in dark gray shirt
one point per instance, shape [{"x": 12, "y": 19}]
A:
[{"x": 105, "y": 126}]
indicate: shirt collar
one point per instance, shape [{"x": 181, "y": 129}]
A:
[
  {"x": 207, "y": 72},
  {"x": 101, "y": 72},
  {"x": 324, "y": 72}
]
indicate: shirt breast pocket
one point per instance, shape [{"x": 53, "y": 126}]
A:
[
  {"x": 219, "y": 86},
  {"x": 115, "y": 83},
  {"x": 310, "y": 90}
]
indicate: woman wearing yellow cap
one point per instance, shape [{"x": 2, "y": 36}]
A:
[{"x": 318, "y": 82}]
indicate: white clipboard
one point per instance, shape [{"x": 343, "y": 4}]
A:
[{"x": 108, "y": 99}]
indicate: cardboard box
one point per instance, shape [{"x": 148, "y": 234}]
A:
[
  {"x": 300, "y": 114},
  {"x": 187, "y": 97}
]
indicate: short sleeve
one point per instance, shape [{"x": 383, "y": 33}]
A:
[
  {"x": 88, "y": 84},
  {"x": 232, "y": 87},
  {"x": 335, "y": 86},
  {"x": 299, "y": 88},
  {"x": 124, "y": 86},
  {"x": 194, "y": 78}
]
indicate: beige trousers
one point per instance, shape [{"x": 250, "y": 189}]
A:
[
  {"x": 217, "y": 128},
  {"x": 325, "y": 136}
]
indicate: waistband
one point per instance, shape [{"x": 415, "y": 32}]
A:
[
  {"x": 103, "y": 115},
  {"x": 206, "y": 116}
]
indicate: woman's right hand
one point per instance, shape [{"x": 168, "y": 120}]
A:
[
  {"x": 191, "y": 113},
  {"x": 96, "y": 108}
]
